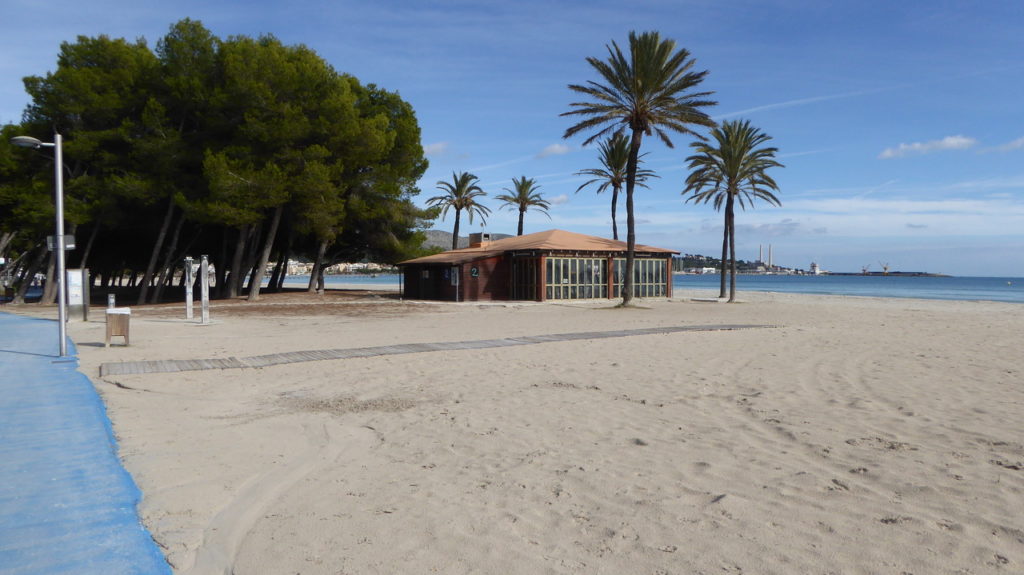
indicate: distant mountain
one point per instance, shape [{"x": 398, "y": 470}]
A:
[{"x": 443, "y": 240}]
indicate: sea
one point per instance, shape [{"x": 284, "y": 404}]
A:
[{"x": 1003, "y": 289}]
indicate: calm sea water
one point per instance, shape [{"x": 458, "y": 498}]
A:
[{"x": 943, "y": 288}]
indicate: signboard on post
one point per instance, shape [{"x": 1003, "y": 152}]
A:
[
  {"x": 76, "y": 292},
  {"x": 69, "y": 242}
]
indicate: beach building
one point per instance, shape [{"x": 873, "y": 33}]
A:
[{"x": 550, "y": 265}]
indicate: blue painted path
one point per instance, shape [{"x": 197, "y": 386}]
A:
[{"x": 66, "y": 503}]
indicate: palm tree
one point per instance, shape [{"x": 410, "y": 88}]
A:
[
  {"x": 523, "y": 196},
  {"x": 461, "y": 193},
  {"x": 647, "y": 92},
  {"x": 732, "y": 169},
  {"x": 612, "y": 173}
]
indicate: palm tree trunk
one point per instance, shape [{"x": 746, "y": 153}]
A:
[
  {"x": 724, "y": 264},
  {"x": 634, "y": 155},
  {"x": 522, "y": 213},
  {"x": 731, "y": 225},
  {"x": 615, "y": 200},
  {"x": 455, "y": 232}
]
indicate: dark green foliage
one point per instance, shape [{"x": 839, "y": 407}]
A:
[{"x": 205, "y": 141}]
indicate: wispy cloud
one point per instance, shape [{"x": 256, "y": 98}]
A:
[
  {"x": 506, "y": 163},
  {"x": 559, "y": 200},
  {"x": 947, "y": 143},
  {"x": 800, "y": 102},
  {"x": 435, "y": 149},
  {"x": 553, "y": 150},
  {"x": 1014, "y": 145}
]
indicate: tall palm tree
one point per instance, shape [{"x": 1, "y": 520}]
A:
[
  {"x": 732, "y": 169},
  {"x": 649, "y": 91},
  {"x": 523, "y": 196},
  {"x": 612, "y": 173},
  {"x": 461, "y": 194}
]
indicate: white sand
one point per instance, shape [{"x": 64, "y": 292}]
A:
[{"x": 857, "y": 436}]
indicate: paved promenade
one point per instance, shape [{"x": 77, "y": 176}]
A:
[{"x": 66, "y": 503}]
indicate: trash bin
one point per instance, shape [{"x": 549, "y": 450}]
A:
[{"x": 118, "y": 319}]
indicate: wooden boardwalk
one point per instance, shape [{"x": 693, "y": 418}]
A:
[{"x": 173, "y": 365}]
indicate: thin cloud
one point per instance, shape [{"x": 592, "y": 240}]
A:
[
  {"x": 1014, "y": 145},
  {"x": 559, "y": 200},
  {"x": 947, "y": 143},
  {"x": 506, "y": 163},
  {"x": 435, "y": 149},
  {"x": 801, "y": 102},
  {"x": 553, "y": 150}
]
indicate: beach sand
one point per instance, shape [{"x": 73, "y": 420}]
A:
[{"x": 843, "y": 435}]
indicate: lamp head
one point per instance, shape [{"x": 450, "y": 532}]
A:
[{"x": 26, "y": 142}]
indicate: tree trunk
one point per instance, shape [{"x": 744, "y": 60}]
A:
[
  {"x": 615, "y": 201},
  {"x": 220, "y": 270},
  {"x": 274, "y": 275},
  {"x": 281, "y": 272},
  {"x": 285, "y": 256},
  {"x": 522, "y": 214},
  {"x": 5, "y": 240},
  {"x": 724, "y": 264},
  {"x": 634, "y": 155},
  {"x": 317, "y": 274},
  {"x": 50, "y": 289},
  {"x": 30, "y": 273},
  {"x": 168, "y": 265},
  {"x": 157, "y": 248},
  {"x": 251, "y": 255},
  {"x": 234, "y": 281},
  {"x": 268, "y": 244},
  {"x": 88, "y": 245},
  {"x": 455, "y": 232},
  {"x": 730, "y": 217}
]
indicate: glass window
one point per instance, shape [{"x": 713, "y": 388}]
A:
[{"x": 575, "y": 278}]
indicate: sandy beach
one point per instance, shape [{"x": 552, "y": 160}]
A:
[{"x": 837, "y": 435}]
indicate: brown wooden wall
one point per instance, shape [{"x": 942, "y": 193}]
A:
[{"x": 491, "y": 282}]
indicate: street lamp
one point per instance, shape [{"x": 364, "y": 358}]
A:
[{"x": 58, "y": 175}]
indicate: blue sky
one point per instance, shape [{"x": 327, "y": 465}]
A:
[{"x": 901, "y": 124}]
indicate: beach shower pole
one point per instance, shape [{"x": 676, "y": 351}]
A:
[
  {"x": 58, "y": 240},
  {"x": 204, "y": 289},
  {"x": 189, "y": 279}
]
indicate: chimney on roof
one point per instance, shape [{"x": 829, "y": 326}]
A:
[{"x": 479, "y": 240}]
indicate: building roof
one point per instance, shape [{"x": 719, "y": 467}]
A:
[{"x": 549, "y": 241}]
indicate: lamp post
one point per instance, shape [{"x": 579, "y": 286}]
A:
[{"x": 58, "y": 175}]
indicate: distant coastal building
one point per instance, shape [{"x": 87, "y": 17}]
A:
[{"x": 551, "y": 265}]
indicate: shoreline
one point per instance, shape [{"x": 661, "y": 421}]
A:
[{"x": 858, "y": 434}]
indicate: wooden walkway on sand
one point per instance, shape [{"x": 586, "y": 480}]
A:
[{"x": 173, "y": 365}]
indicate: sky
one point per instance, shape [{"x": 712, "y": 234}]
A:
[{"x": 900, "y": 124}]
